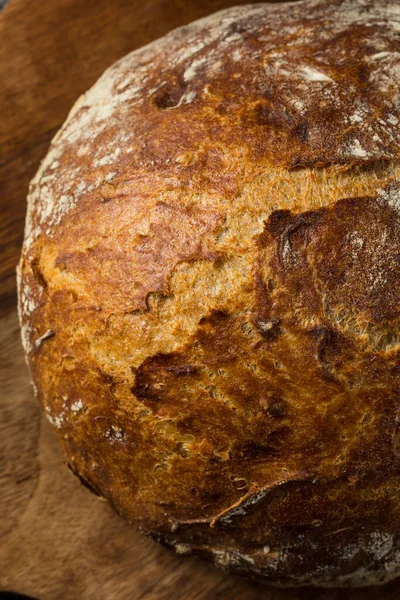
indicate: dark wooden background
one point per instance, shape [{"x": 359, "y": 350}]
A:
[{"x": 57, "y": 541}]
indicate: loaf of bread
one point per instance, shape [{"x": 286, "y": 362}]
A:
[{"x": 209, "y": 290}]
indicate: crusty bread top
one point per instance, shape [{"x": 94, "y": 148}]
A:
[
  {"x": 288, "y": 85},
  {"x": 212, "y": 247}
]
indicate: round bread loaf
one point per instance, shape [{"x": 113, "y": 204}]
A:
[{"x": 209, "y": 290}]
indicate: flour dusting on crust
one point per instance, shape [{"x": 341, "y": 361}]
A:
[{"x": 307, "y": 67}]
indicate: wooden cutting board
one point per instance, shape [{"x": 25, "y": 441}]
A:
[{"x": 57, "y": 541}]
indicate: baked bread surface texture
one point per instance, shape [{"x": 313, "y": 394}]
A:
[{"x": 209, "y": 290}]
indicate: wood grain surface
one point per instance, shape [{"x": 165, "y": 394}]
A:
[{"x": 57, "y": 541}]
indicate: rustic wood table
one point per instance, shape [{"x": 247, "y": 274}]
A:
[{"x": 57, "y": 541}]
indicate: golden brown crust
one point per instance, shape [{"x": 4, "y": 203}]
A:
[{"x": 214, "y": 333}]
